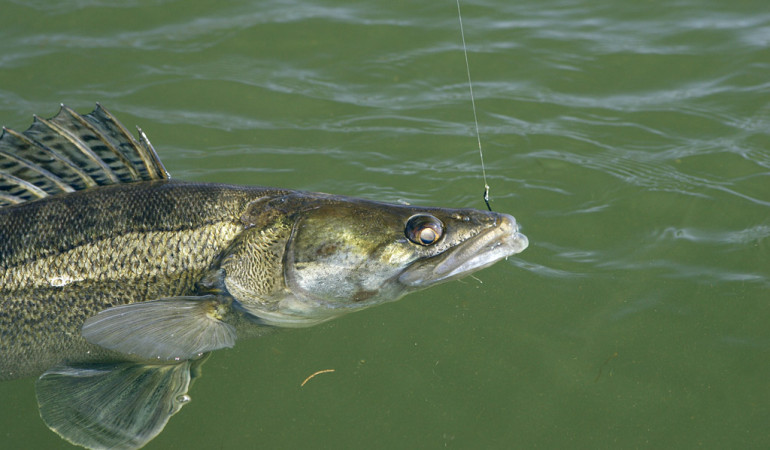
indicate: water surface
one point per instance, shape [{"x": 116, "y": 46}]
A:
[{"x": 630, "y": 140}]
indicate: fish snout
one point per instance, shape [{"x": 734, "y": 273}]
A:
[{"x": 508, "y": 231}]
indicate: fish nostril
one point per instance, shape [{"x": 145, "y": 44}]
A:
[{"x": 507, "y": 221}]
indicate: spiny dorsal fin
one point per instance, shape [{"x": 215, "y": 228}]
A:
[{"x": 70, "y": 152}]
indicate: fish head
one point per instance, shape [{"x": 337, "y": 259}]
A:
[{"x": 345, "y": 254}]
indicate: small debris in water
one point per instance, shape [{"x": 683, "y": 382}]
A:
[
  {"x": 601, "y": 368},
  {"x": 314, "y": 374}
]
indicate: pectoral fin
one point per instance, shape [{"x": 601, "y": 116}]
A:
[
  {"x": 177, "y": 328},
  {"x": 116, "y": 406}
]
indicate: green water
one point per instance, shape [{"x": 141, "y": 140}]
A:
[{"x": 631, "y": 140}]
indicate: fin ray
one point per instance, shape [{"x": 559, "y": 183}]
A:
[
  {"x": 116, "y": 406},
  {"x": 71, "y": 152},
  {"x": 24, "y": 185},
  {"x": 36, "y": 168},
  {"x": 150, "y": 157},
  {"x": 176, "y": 328},
  {"x": 82, "y": 120},
  {"x": 34, "y": 151},
  {"x": 8, "y": 199}
]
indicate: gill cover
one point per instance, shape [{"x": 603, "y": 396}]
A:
[{"x": 345, "y": 253}]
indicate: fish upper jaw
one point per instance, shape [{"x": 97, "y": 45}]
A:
[{"x": 491, "y": 245}]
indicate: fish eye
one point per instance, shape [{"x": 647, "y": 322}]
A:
[{"x": 424, "y": 229}]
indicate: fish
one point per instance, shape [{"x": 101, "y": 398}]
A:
[{"x": 117, "y": 281}]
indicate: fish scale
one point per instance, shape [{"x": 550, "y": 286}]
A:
[{"x": 122, "y": 256}]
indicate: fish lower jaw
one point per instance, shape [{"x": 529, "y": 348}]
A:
[{"x": 495, "y": 253}]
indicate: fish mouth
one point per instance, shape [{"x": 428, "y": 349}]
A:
[{"x": 483, "y": 250}]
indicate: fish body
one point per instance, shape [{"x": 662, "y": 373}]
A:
[
  {"x": 109, "y": 267},
  {"x": 65, "y": 258}
]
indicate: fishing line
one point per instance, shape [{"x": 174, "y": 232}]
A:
[{"x": 473, "y": 104}]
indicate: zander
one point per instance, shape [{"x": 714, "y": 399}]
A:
[{"x": 115, "y": 280}]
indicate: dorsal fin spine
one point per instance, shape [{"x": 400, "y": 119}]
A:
[
  {"x": 87, "y": 179},
  {"x": 12, "y": 199},
  {"x": 70, "y": 152},
  {"x": 30, "y": 165},
  {"x": 144, "y": 148},
  {"x": 31, "y": 188},
  {"x": 117, "y": 153},
  {"x": 81, "y": 146},
  {"x": 150, "y": 157}
]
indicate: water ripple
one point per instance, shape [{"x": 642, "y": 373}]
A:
[{"x": 752, "y": 235}]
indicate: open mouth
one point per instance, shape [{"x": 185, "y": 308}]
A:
[{"x": 487, "y": 248}]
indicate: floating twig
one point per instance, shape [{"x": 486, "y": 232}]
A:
[
  {"x": 314, "y": 374},
  {"x": 601, "y": 368}
]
